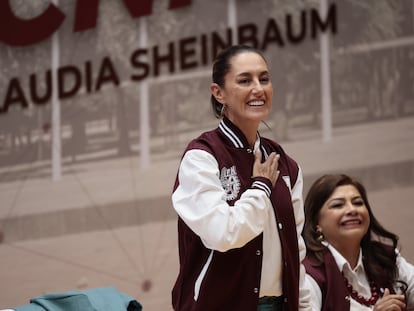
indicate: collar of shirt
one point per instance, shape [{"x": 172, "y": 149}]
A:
[
  {"x": 256, "y": 143},
  {"x": 343, "y": 264}
]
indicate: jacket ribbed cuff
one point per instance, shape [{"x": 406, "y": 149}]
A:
[{"x": 262, "y": 183}]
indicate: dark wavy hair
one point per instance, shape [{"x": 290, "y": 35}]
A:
[
  {"x": 222, "y": 65},
  {"x": 378, "y": 245}
]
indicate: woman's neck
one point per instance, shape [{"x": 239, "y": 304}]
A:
[
  {"x": 249, "y": 129},
  {"x": 251, "y": 139},
  {"x": 350, "y": 254}
]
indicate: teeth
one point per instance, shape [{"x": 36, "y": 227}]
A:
[
  {"x": 355, "y": 222},
  {"x": 256, "y": 103}
]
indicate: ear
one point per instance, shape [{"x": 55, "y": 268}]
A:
[{"x": 217, "y": 92}]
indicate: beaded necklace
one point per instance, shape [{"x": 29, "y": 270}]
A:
[{"x": 361, "y": 299}]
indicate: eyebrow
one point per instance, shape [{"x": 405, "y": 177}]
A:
[
  {"x": 343, "y": 199},
  {"x": 335, "y": 199},
  {"x": 247, "y": 73}
]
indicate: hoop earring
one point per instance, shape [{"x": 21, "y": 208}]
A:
[{"x": 222, "y": 110}]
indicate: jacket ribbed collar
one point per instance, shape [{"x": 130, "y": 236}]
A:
[{"x": 235, "y": 135}]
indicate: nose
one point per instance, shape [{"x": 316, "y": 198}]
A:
[
  {"x": 351, "y": 208},
  {"x": 257, "y": 87}
]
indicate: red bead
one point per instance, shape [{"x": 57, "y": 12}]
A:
[{"x": 362, "y": 300}]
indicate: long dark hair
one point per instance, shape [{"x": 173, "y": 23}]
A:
[
  {"x": 221, "y": 66},
  {"x": 378, "y": 245}
]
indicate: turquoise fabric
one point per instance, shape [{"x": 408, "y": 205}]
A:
[
  {"x": 29, "y": 307},
  {"x": 96, "y": 299}
]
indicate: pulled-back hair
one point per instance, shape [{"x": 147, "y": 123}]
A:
[
  {"x": 222, "y": 65},
  {"x": 378, "y": 244}
]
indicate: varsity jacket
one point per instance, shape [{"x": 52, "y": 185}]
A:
[
  {"x": 229, "y": 279},
  {"x": 335, "y": 296}
]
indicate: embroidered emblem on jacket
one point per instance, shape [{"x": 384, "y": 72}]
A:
[{"x": 230, "y": 182}]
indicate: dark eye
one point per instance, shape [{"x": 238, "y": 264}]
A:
[
  {"x": 265, "y": 80},
  {"x": 244, "y": 81},
  {"x": 337, "y": 205},
  {"x": 359, "y": 203}
]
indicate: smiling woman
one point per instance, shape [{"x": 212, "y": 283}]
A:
[
  {"x": 352, "y": 261},
  {"x": 246, "y": 95},
  {"x": 239, "y": 250}
]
